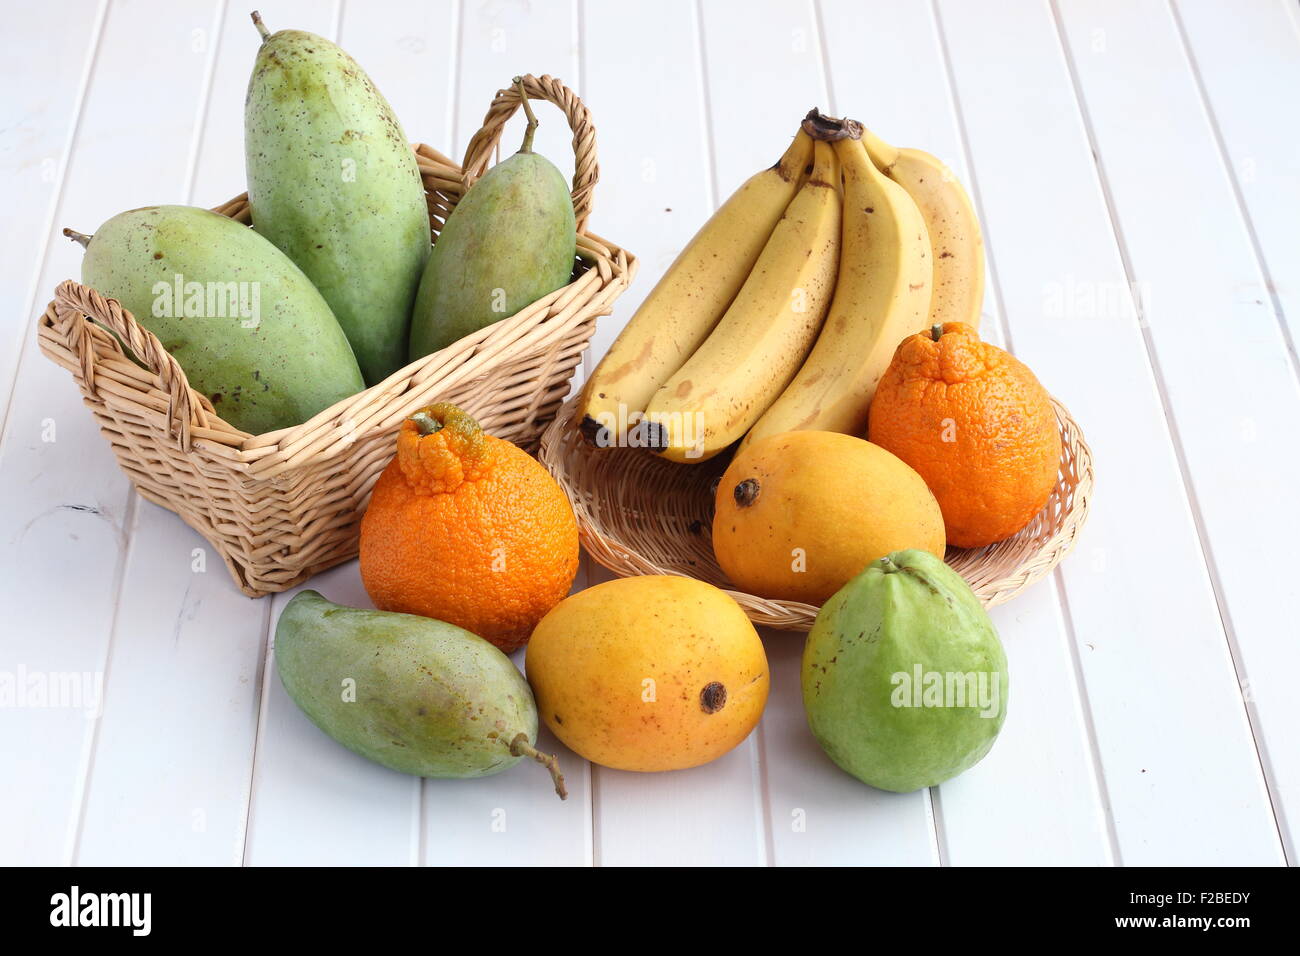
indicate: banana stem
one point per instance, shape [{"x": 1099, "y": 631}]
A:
[
  {"x": 828, "y": 129},
  {"x": 80, "y": 237},
  {"x": 261, "y": 27},
  {"x": 520, "y": 747},
  {"x": 528, "y": 111}
]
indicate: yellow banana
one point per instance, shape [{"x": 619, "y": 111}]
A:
[
  {"x": 760, "y": 342},
  {"x": 685, "y": 306},
  {"x": 955, "y": 239},
  {"x": 882, "y": 296}
]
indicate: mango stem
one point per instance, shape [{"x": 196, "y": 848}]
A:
[
  {"x": 261, "y": 27},
  {"x": 520, "y": 747},
  {"x": 80, "y": 237},
  {"x": 528, "y": 111}
]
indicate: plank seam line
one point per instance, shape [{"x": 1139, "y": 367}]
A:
[
  {"x": 580, "y": 44},
  {"x": 1238, "y": 195},
  {"x": 1293, "y": 14},
  {"x": 706, "y": 104},
  {"x": 823, "y": 50},
  {"x": 263, "y": 705},
  {"x": 1085, "y": 705},
  {"x": 593, "y": 783},
  {"x": 128, "y": 513},
  {"x": 70, "y": 142},
  {"x": 1207, "y": 553},
  {"x": 131, "y": 511},
  {"x": 1000, "y": 316},
  {"x": 762, "y": 794},
  {"x": 453, "y": 90},
  {"x": 421, "y": 842},
  {"x": 938, "y": 836}
]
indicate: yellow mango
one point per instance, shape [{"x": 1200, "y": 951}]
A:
[
  {"x": 799, "y": 514},
  {"x": 648, "y": 673}
]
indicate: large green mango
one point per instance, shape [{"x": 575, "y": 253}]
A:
[
  {"x": 509, "y": 241},
  {"x": 411, "y": 693},
  {"x": 332, "y": 181},
  {"x": 249, "y": 329},
  {"x": 904, "y": 678}
]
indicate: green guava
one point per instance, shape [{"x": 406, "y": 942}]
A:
[{"x": 904, "y": 678}]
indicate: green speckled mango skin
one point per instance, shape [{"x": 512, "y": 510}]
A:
[
  {"x": 431, "y": 699},
  {"x": 905, "y": 609},
  {"x": 293, "y": 362},
  {"x": 509, "y": 241},
  {"x": 333, "y": 183}
]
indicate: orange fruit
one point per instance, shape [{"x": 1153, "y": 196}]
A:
[
  {"x": 468, "y": 529},
  {"x": 976, "y": 425}
]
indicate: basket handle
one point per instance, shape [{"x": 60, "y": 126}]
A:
[
  {"x": 77, "y": 302},
  {"x": 585, "y": 169}
]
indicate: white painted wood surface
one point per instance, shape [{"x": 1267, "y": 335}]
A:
[{"x": 1136, "y": 165}]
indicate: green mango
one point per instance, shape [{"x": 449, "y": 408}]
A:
[
  {"x": 904, "y": 678},
  {"x": 249, "y": 329},
  {"x": 408, "y": 692},
  {"x": 510, "y": 240},
  {"x": 333, "y": 182}
]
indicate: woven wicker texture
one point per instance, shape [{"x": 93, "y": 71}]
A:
[
  {"x": 639, "y": 514},
  {"x": 285, "y": 505}
]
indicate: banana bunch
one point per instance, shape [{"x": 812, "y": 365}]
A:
[{"x": 785, "y": 309}]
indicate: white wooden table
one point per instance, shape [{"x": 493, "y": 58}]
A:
[{"x": 1136, "y": 165}]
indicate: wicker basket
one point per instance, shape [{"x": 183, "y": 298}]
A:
[
  {"x": 285, "y": 505},
  {"x": 640, "y": 514}
]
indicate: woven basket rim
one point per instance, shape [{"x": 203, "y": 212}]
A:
[
  {"x": 1076, "y": 477},
  {"x": 445, "y": 182},
  {"x": 621, "y": 265}
]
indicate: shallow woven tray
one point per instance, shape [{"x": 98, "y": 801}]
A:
[
  {"x": 285, "y": 505},
  {"x": 638, "y": 514}
]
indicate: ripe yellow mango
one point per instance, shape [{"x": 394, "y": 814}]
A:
[
  {"x": 648, "y": 673},
  {"x": 799, "y": 514}
]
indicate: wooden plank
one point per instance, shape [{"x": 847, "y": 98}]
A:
[
  {"x": 1131, "y": 65},
  {"x": 999, "y": 813},
  {"x": 70, "y": 507},
  {"x": 187, "y": 651},
  {"x": 1245, "y": 56},
  {"x": 1175, "y": 747},
  {"x": 38, "y": 126}
]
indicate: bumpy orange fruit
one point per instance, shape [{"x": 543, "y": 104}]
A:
[
  {"x": 978, "y": 427},
  {"x": 466, "y": 528}
]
